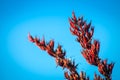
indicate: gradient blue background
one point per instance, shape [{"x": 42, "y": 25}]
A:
[{"x": 22, "y": 60}]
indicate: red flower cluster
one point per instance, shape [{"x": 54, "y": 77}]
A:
[
  {"x": 91, "y": 54},
  {"x": 59, "y": 56},
  {"x": 105, "y": 69},
  {"x": 84, "y": 33}
]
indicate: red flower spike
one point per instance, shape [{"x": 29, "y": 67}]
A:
[{"x": 91, "y": 50}]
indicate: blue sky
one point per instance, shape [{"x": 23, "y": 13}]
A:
[{"x": 22, "y": 60}]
